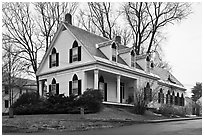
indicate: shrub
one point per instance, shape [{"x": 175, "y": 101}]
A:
[
  {"x": 139, "y": 108},
  {"x": 171, "y": 111},
  {"x": 27, "y": 98},
  {"x": 30, "y": 103},
  {"x": 91, "y": 100}
]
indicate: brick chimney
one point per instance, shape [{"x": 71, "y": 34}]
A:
[
  {"x": 147, "y": 67},
  {"x": 68, "y": 18},
  {"x": 118, "y": 39}
]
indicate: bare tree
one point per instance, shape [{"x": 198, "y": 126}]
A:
[
  {"x": 147, "y": 19},
  {"x": 20, "y": 30},
  {"x": 50, "y": 14}
]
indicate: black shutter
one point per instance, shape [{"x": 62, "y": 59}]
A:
[
  {"x": 79, "y": 53},
  {"x": 145, "y": 94},
  {"x": 183, "y": 100},
  {"x": 57, "y": 59},
  {"x": 70, "y": 87},
  {"x": 70, "y": 55},
  {"x": 166, "y": 98},
  {"x": 162, "y": 97},
  {"x": 50, "y": 61},
  {"x": 105, "y": 92},
  {"x": 159, "y": 98},
  {"x": 79, "y": 87},
  {"x": 150, "y": 95},
  {"x": 57, "y": 89},
  {"x": 49, "y": 88}
]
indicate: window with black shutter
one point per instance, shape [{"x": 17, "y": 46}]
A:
[
  {"x": 75, "y": 86},
  {"x": 54, "y": 87},
  {"x": 168, "y": 97},
  {"x": 6, "y": 103},
  {"x": 160, "y": 96},
  {"x": 54, "y": 58},
  {"x": 147, "y": 93},
  {"x": 75, "y": 53}
]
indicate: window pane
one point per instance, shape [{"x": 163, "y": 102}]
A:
[
  {"x": 75, "y": 54},
  {"x": 75, "y": 84},
  {"x": 53, "y": 58},
  {"x": 74, "y": 51},
  {"x": 53, "y": 89}
]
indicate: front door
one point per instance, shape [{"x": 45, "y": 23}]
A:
[
  {"x": 103, "y": 89},
  {"x": 122, "y": 92}
]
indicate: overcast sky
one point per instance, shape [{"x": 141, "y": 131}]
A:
[{"x": 183, "y": 48}]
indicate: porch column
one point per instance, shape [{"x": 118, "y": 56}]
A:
[
  {"x": 96, "y": 78},
  {"x": 40, "y": 87},
  {"x": 84, "y": 80},
  {"x": 135, "y": 89},
  {"x": 118, "y": 89}
]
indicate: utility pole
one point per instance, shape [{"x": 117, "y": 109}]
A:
[{"x": 10, "y": 95}]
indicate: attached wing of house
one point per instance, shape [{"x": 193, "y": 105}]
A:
[{"x": 77, "y": 60}]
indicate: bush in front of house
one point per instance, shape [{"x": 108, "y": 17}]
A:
[
  {"x": 171, "y": 111},
  {"x": 30, "y": 103},
  {"x": 139, "y": 108},
  {"x": 91, "y": 100}
]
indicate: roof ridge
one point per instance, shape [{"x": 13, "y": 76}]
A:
[{"x": 86, "y": 31}]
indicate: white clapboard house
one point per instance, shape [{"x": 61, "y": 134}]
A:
[{"x": 77, "y": 59}]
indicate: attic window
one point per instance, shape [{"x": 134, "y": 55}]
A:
[
  {"x": 75, "y": 53},
  {"x": 54, "y": 58},
  {"x": 114, "y": 55},
  {"x": 133, "y": 59}
]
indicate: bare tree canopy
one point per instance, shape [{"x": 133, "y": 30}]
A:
[
  {"x": 50, "y": 16},
  {"x": 31, "y": 35},
  {"x": 146, "y": 20}
]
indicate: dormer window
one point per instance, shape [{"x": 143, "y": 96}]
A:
[
  {"x": 133, "y": 59},
  {"x": 54, "y": 58},
  {"x": 114, "y": 54},
  {"x": 75, "y": 52}
]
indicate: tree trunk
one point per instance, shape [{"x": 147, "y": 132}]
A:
[{"x": 37, "y": 81}]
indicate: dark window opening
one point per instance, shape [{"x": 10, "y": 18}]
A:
[
  {"x": 6, "y": 103},
  {"x": 114, "y": 54},
  {"x": 54, "y": 58},
  {"x": 75, "y": 52}
]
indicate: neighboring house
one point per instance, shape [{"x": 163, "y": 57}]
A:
[
  {"x": 19, "y": 86},
  {"x": 193, "y": 108},
  {"x": 77, "y": 60}
]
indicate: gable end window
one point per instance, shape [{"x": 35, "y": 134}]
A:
[
  {"x": 75, "y": 53},
  {"x": 75, "y": 86},
  {"x": 114, "y": 54},
  {"x": 54, "y": 58}
]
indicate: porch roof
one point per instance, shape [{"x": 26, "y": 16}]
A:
[{"x": 127, "y": 68}]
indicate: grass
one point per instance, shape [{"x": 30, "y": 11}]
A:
[{"x": 107, "y": 118}]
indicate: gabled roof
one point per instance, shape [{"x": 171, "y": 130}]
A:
[
  {"x": 90, "y": 40},
  {"x": 164, "y": 75}
]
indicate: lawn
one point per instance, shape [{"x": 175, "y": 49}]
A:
[{"x": 107, "y": 118}]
